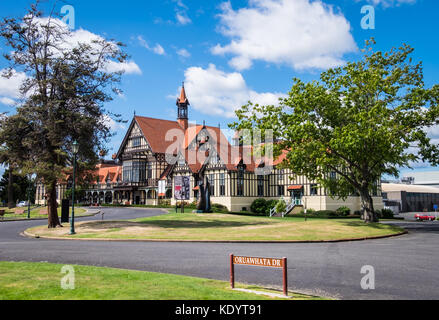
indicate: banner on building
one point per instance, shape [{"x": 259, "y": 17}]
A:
[
  {"x": 182, "y": 188},
  {"x": 162, "y": 188}
]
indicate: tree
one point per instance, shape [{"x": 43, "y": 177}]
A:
[
  {"x": 11, "y": 150},
  {"x": 64, "y": 94},
  {"x": 20, "y": 187},
  {"x": 360, "y": 121}
]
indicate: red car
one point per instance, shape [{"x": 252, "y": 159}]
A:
[{"x": 424, "y": 217}]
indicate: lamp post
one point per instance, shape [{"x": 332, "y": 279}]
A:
[
  {"x": 28, "y": 195},
  {"x": 75, "y": 149}
]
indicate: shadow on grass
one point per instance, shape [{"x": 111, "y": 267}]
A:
[
  {"x": 171, "y": 224},
  {"x": 379, "y": 226}
]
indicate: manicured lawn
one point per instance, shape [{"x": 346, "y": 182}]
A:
[
  {"x": 223, "y": 227},
  {"x": 42, "y": 281},
  {"x": 35, "y": 213}
]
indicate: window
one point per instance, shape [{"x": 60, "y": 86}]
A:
[
  {"x": 260, "y": 186},
  {"x": 314, "y": 189},
  {"x": 212, "y": 184},
  {"x": 222, "y": 184},
  {"x": 333, "y": 175},
  {"x": 149, "y": 173},
  {"x": 280, "y": 176},
  {"x": 240, "y": 188},
  {"x": 280, "y": 191},
  {"x": 136, "y": 142},
  {"x": 127, "y": 168}
]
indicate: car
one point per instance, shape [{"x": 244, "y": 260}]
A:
[
  {"x": 22, "y": 204},
  {"x": 424, "y": 217}
]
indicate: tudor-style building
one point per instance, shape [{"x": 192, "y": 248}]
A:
[{"x": 155, "y": 149}]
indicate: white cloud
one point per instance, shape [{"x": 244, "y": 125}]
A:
[
  {"x": 81, "y": 36},
  {"x": 389, "y": 3},
  {"x": 129, "y": 67},
  {"x": 183, "y": 53},
  {"x": 10, "y": 88},
  {"x": 157, "y": 49},
  {"x": 216, "y": 92},
  {"x": 7, "y": 101},
  {"x": 182, "y": 18},
  {"x": 181, "y": 13},
  {"x": 112, "y": 124},
  {"x": 300, "y": 33}
]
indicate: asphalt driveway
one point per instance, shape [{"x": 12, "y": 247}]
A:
[{"x": 405, "y": 267}]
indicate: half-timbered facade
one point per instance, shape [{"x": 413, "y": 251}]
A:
[{"x": 156, "y": 149}]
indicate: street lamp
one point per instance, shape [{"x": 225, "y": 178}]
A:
[
  {"x": 75, "y": 149},
  {"x": 29, "y": 189}
]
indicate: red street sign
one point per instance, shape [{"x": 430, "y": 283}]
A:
[{"x": 259, "y": 262}]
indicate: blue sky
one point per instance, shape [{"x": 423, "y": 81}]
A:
[{"x": 229, "y": 52}]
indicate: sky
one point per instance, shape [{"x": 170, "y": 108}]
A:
[{"x": 230, "y": 52}]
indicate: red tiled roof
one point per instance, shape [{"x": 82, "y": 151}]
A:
[{"x": 155, "y": 131}]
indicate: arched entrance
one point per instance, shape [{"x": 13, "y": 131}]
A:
[{"x": 108, "y": 197}]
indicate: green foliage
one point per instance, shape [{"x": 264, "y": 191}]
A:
[
  {"x": 270, "y": 205},
  {"x": 219, "y": 208},
  {"x": 343, "y": 211},
  {"x": 358, "y": 122},
  {"x": 20, "y": 187},
  {"x": 79, "y": 193},
  {"x": 281, "y": 206},
  {"x": 385, "y": 214},
  {"x": 259, "y": 206}
]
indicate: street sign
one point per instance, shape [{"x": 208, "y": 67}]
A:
[
  {"x": 435, "y": 207},
  {"x": 259, "y": 262}
]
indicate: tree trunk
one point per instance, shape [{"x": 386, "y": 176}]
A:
[
  {"x": 369, "y": 214},
  {"x": 11, "y": 202},
  {"x": 52, "y": 207}
]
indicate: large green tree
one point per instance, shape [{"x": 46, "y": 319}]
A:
[
  {"x": 361, "y": 121},
  {"x": 67, "y": 84}
]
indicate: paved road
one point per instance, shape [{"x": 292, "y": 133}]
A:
[{"x": 406, "y": 267}]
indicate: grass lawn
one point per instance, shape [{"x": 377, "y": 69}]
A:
[
  {"x": 35, "y": 213},
  {"x": 222, "y": 227},
  {"x": 42, "y": 281}
]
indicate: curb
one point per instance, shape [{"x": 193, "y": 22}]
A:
[
  {"x": 29, "y": 235},
  {"x": 45, "y": 219}
]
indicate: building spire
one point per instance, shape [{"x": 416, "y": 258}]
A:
[
  {"x": 182, "y": 104},
  {"x": 183, "y": 98}
]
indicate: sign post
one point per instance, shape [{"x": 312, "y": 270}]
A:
[{"x": 259, "y": 262}]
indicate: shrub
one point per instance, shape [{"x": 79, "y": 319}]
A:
[
  {"x": 343, "y": 211},
  {"x": 281, "y": 206},
  {"x": 219, "y": 208},
  {"x": 308, "y": 212},
  {"x": 270, "y": 205},
  {"x": 385, "y": 214},
  {"x": 259, "y": 206},
  {"x": 325, "y": 213}
]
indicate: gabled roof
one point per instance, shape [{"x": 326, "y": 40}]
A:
[{"x": 106, "y": 172}]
